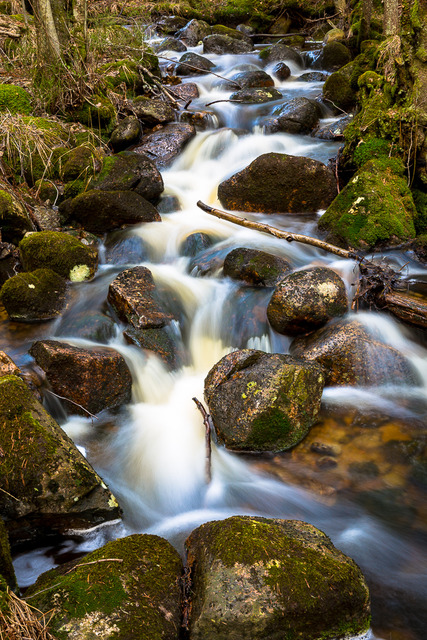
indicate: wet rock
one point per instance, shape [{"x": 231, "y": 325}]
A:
[
  {"x": 268, "y": 185},
  {"x": 14, "y": 219},
  {"x": 7, "y": 571},
  {"x": 237, "y": 34},
  {"x": 131, "y": 171},
  {"x": 256, "y": 96},
  {"x": 281, "y": 71},
  {"x": 299, "y": 115},
  {"x": 338, "y": 94},
  {"x": 187, "y": 91},
  {"x": 280, "y": 52},
  {"x": 194, "y": 32},
  {"x": 312, "y": 76},
  {"x": 100, "y": 211},
  {"x": 61, "y": 252},
  {"x": 89, "y": 325},
  {"x": 333, "y": 56},
  {"x": 244, "y": 316},
  {"x": 334, "y": 130},
  {"x": 127, "y": 133},
  {"x": 170, "y": 44},
  {"x": 256, "y": 79},
  {"x": 46, "y": 218},
  {"x": 34, "y": 296},
  {"x": 165, "y": 145},
  {"x": 306, "y": 300},
  {"x": 54, "y": 488},
  {"x": 195, "y": 243},
  {"x": 222, "y": 44},
  {"x": 129, "y": 588},
  {"x": 169, "y": 204},
  {"x": 152, "y": 112},
  {"x": 160, "y": 341},
  {"x": 134, "y": 298},
  {"x": 208, "y": 262},
  {"x": 374, "y": 208},
  {"x": 122, "y": 248},
  {"x": 10, "y": 261},
  {"x": 351, "y": 357},
  {"x": 170, "y": 24},
  {"x": 265, "y": 578},
  {"x": 255, "y": 267},
  {"x": 191, "y": 64},
  {"x": 202, "y": 120},
  {"x": 96, "y": 378},
  {"x": 263, "y": 402},
  {"x": 8, "y": 367}
]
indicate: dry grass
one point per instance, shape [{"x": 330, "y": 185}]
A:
[{"x": 23, "y": 622}]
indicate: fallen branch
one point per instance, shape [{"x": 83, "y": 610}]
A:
[
  {"x": 207, "y": 421},
  {"x": 407, "y": 308},
  {"x": 278, "y": 233}
]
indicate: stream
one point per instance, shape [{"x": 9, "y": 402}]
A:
[{"x": 152, "y": 453}]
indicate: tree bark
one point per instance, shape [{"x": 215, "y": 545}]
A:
[{"x": 391, "y": 17}]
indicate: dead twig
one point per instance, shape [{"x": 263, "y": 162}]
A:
[
  {"x": 22, "y": 621},
  {"x": 85, "y": 564},
  {"x": 72, "y": 402},
  {"x": 207, "y": 421}
]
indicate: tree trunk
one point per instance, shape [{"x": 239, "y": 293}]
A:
[
  {"x": 48, "y": 44},
  {"x": 391, "y": 17}
]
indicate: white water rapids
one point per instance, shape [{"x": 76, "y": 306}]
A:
[{"x": 153, "y": 455}]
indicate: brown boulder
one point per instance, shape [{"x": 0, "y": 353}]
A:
[
  {"x": 279, "y": 183},
  {"x": 95, "y": 379}
]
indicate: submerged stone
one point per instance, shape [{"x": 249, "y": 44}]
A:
[
  {"x": 127, "y": 589},
  {"x": 263, "y": 402},
  {"x": 265, "y": 579},
  {"x": 49, "y": 487}
]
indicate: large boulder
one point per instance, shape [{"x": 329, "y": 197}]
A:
[
  {"x": 127, "y": 589},
  {"x": 134, "y": 298},
  {"x": 14, "y": 219},
  {"x": 191, "y": 64},
  {"x": 34, "y": 296},
  {"x": 257, "y": 268},
  {"x": 48, "y": 485},
  {"x": 218, "y": 43},
  {"x": 165, "y": 145},
  {"x": 279, "y": 183},
  {"x": 333, "y": 56},
  {"x": 350, "y": 356},
  {"x": 194, "y": 32},
  {"x": 280, "y": 52},
  {"x": 373, "y": 209},
  {"x": 265, "y": 579},
  {"x": 263, "y": 402},
  {"x": 128, "y": 171},
  {"x": 305, "y": 300},
  {"x": 152, "y": 111},
  {"x": 100, "y": 211},
  {"x": 251, "y": 79},
  {"x": 299, "y": 115},
  {"x": 338, "y": 94},
  {"x": 61, "y": 252},
  {"x": 91, "y": 379}
]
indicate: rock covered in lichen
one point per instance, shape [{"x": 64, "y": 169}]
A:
[
  {"x": 263, "y": 402},
  {"x": 268, "y": 185},
  {"x": 34, "y": 296},
  {"x": 92, "y": 379},
  {"x": 61, "y": 252},
  {"x": 375, "y": 208},
  {"x": 255, "y": 267},
  {"x": 305, "y": 300},
  {"x": 127, "y": 589},
  {"x": 48, "y": 485},
  {"x": 264, "y": 579}
]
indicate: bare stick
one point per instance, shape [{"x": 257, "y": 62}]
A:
[
  {"x": 72, "y": 402},
  {"x": 278, "y": 233},
  {"x": 85, "y": 564},
  {"x": 207, "y": 420}
]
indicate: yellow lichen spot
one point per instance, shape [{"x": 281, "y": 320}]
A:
[
  {"x": 112, "y": 502},
  {"x": 79, "y": 273},
  {"x": 328, "y": 289},
  {"x": 31, "y": 286},
  {"x": 244, "y": 396}
]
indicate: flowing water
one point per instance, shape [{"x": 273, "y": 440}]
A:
[{"x": 152, "y": 454}]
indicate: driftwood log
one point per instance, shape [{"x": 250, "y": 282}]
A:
[{"x": 377, "y": 282}]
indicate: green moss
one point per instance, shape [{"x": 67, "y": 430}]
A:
[
  {"x": 122, "y": 72},
  {"x": 6, "y": 567},
  {"x": 35, "y": 296},
  {"x": 14, "y": 99},
  {"x": 58, "y": 251},
  {"x": 4, "y": 597},
  {"x": 99, "y": 113},
  {"x": 269, "y": 429},
  {"x": 371, "y": 148},
  {"x": 420, "y": 200}
]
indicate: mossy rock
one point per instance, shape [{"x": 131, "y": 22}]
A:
[
  {"x": 334, "y": 55},
  {"x": 7, "y": 571},
  {"x": 255, "y": 96},
  {"x": 122, "y": 72},
  {"x": 280, "y": 52},
  {"x": 99, "y": 113},
  {"x": 374, "y": 209},
  {"x": 61, "y": 252},
  {"x": 15, "y": 99},
  {"x": 255, "y": 267},
  {"x": 263, "y": 402},
  {"x": 264, "y": 579},
  {"x": 80, "y": 163},
  {"x": 127, "y": 589},
  {"x": 50, "y": 486},
  {"x": 127, "y": 133},
  {"x": 14, "y": 219},
  {"x": 34, "y": 296},
  {"x": 130, "y": 171},
  {"x": 420, "y": 201},
  {"x": 47, "y": 191},
  {"x": 337, "y": 92}
]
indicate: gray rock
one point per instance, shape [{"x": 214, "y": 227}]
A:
[
  {"x": 191, "y": 64},
  {"x": 222, "y": 44},
  {"x": 281, "y": 71},
  {"x": 170, "y": 44},
  {"x": 299, "y": 116},
  {"x": 280, "y": 52},
  {"x": 163, "y": 146},
  {"x": 127, "y": 133},
  {"x": 194, "y": 32},
  {"x": 256, "y": 96},
  {"x": 152, "y": 112},
  {"x": 130, "y": 171}
]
